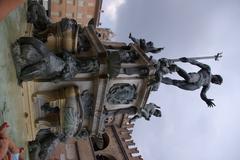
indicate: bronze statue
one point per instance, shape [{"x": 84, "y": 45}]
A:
[
  {"x": 37, "y": 15},
  {"x": 193, "y": 81},
  {"x": 44, "y": 144},
  {"x": 147, "y": 111},
  {"x": 34, "y": 61},
  {"x": 145, "y": 46},
  {"x": 65, "y": 35}
]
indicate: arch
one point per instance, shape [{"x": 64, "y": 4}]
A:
[
  {"x": 105, "y": 157},
  {"x": 100, "y": 143}
]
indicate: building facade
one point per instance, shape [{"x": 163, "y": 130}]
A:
[
  {"x": 80, "y": 10},
  {"x": 95, "y": 105}
]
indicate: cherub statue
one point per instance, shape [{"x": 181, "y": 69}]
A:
[
  {"x": 146, "y": 46},
  {"x": 147, "y": 111}
]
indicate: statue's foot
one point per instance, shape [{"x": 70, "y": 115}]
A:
[{"x": 130, "y": 35}]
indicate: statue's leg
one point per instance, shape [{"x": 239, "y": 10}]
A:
[
  {"x": 167, "y": 81},
  {"x": 180, "y": 84},
  {"x": 183, "y": 73},
  {"x": 174, "y": 82}
]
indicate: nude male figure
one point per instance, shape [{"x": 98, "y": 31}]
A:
[{"x": 195, "y": 80}]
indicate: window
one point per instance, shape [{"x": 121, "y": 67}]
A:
[
  {"x": 79, "y": 15},
  {"x": 70, "y": 2},
  {"x": 89, "y": 16},
  {"x": 69, "y": 14},
  {"x": 100, "y": 142},
  {"x": 91, "y": 4},
  {"x": 104, "y": 157},
  {"x": 57, "y": 1},
  {"x": 56, "y": 14},
  {"x": 80, "y": 3}
]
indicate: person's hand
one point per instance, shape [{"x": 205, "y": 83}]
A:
[
  {"x": 183, "y": 59},
  {"x": 4, "y": 143},
  {"x": 210, "y": 103}
]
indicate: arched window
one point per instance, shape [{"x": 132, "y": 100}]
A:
[
  {"x": 100, "y": 142},
  {"x": 105, "y": 157}
]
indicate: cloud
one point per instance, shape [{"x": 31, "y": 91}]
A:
[{"x": 112, "y": 7}]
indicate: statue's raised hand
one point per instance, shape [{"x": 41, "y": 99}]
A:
[
  {"x": 183, "y": 59},
  {"x": 210, "y": 103}
]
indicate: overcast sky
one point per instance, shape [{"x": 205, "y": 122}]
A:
[{"x": 188, "y": 129}]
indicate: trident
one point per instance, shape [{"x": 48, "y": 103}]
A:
[{"x": 215, "y": 57}]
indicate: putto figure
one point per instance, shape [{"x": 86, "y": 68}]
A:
[
  {"x": 147, "y": 111},
  {"x": 193, "y": 80},
  {"x": 146, "y": 46},
  {"x": 34, "y": 61}
]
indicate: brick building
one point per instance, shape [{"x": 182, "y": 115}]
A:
[{"x": 81, "y": 10}]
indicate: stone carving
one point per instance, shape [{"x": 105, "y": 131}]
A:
[
  {"x": 195, "y": 80},
  {"x": 128, "y": 56},
  {"x": 71, "y": 113},
  {"x": 130, "y": 111},
  {"x": 121, "y": 93},
  {"x": 48, "y": 109},
  {"x": 147, "y": 111},
  {"x": 145, "y": 46},
  {"x": 83, "y": 133},
  {"x": 87, "y": 103},
  {"x": 33, "y": 61},
  {"x": 114, "y": 64},
  {"x": 142, "y": 71},
  {"x": 116, "y": 58},
  {"x": 71, "y": 117}
]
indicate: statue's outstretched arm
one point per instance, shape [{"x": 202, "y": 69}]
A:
[
  {"x": 196, "y": 63},
  {"x": 199, "y": 64},
  {"x": 135, "y": 40},
  {"x": 204, "y": 97}
]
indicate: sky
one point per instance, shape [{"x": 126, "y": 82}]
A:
[{"x": 188, "y": 129}]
